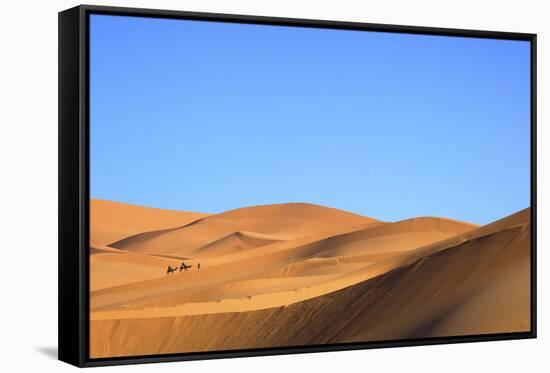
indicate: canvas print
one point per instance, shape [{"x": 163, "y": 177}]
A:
[{"x": 260, "y": 186}]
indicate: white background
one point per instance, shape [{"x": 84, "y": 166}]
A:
[{"x": 28, "y": 184}]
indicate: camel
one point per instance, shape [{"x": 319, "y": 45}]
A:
[
  {"x": 184, "y": 267},
  {"x": 170, "y": 270}
]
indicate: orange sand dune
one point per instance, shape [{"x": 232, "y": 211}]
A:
[
  {"x": 233, "y": 242},
  {"x": 114, "y": 267},
  {"x": 280, "y": 222},
  {"x": 291, "y": 258},
  {"x": 297, "y": 274},
  {"x": 112, "y": 221}
]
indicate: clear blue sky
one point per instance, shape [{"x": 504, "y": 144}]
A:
[{"x": 206, "y": 116}]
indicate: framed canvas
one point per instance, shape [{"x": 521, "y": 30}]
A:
[{"x": 235, "y": 186}]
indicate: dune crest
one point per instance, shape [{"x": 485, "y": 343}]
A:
[
  {"x": 281, "y": 221},
  {"x": 112, "y": 221},
  {"x": 234, "y": 242}
]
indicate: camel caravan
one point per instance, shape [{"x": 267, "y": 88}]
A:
[{"x": 183, "y": 267}]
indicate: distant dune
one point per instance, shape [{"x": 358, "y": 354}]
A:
[
  {"x": 298, "y": 274},
  {"x": 281, "y": 222},
  {"x": 112, "y": 221}
]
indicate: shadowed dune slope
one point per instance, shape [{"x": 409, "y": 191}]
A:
[
  {"x": 112, "y": 221},
  {"x": 279, "y": 222},
  {"x": 468, "y": 281}
]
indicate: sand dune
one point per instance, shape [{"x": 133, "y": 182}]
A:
[
  {"x": 234, "y": 242},
  {"x": 281, "y": 222},
  {"x": 112, "y": 221},
  {"x": 296, "y": 274},
  {"x": 114, "y": 267},
  {"x": 363, "y": 246}
]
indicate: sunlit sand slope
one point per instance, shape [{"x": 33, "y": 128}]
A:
[{"x": 112, "y": 221}]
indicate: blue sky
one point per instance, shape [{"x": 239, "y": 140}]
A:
[{"x": 206, "y": 116}]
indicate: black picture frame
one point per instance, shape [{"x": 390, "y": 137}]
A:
[{"x": 73, "y": 248}]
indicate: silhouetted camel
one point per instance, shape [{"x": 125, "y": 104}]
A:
[
  {"x": 170, "y": 270},
  {"x": 184, "y": 267}
]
